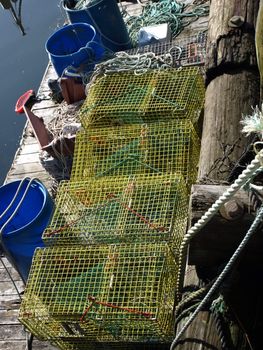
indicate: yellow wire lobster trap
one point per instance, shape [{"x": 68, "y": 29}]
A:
[
  {"x": 120, "y": 209},
  {"x": 157, "y": 95},
  {"x": 106, "y": 293},
  {"x": 86, "y": 344},
  {"x": 137, "y": 149}
]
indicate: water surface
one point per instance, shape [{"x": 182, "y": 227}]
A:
[{"x": 23, "y": 60}]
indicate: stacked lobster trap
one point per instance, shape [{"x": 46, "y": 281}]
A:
[
  {"x": 141, "y": 149},
  {"x": 120, "y": 209},
  {"x": 103, "y": 293},
  {"x": 106, "y": 279},
  {"x": 158, "y": 95}
]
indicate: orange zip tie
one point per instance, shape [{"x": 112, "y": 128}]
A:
[
  {"x": 147, "y": 222},
  {"x": 94, "y": 301}
]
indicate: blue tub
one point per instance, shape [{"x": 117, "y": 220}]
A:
[
  {"x": 22, "y": 235},
  {"x": 106, "y": 18},
  {"x": 75, "y": 45}
]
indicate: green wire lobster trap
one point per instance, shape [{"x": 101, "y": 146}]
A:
[
  {"x": 106, "y": 293},
  {"x": 120, "y": 209},
  {"x": 158, "y": 95},
  {"x": 137, "y": 149}
]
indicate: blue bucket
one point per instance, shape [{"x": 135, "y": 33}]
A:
[
  {"x": 22, "y": 235},
  {"x": 76, "y": 45},
  {"x": 106, "y": 18}
]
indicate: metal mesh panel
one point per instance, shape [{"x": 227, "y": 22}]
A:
[
  {"x": 158, "y": 95},
  {"x": 86, "y": 344},
  {"x": 101, "y": 293},
  {"x": 120, "y": 209},
  {"x": 137, "y": 149},
  {"x": 190, "y": 50}
]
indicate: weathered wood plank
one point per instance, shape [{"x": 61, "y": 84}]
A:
[
  {"x": 13, "y": 345},
  {"x": 42, "y": 176},
  {"x": 7, "y": 288},
  {"x": 9, "y": 302},
  {"x": 9, "y": 317},
  {"x": 217, "y": 241},
  {"x": 44, "y": 104},
  {"x": 26, "y": 158},
  {"x": 12, "y": 332},
  {"x": 43, "y": 345},
  {"x": 18, "y": 169},
  {"x": 6, "y": 262},
  {"x": 4, "y": 275},
  {"x": 31, "y": 148},
  {"x": 46, "y": 113},
  {"x": 49, "y": 74}
]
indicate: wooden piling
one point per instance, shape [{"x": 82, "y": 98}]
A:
[{"x": 232, "y": 80}]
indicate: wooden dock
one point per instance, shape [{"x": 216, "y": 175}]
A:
[{"x": 27, "y": 163}]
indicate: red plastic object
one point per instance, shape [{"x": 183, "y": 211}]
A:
[{"x": 21, "y": 102}]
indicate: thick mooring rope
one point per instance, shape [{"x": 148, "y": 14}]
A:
[
  {"x": 240, "y": 181},
  {"x": 221, "y": 277}
]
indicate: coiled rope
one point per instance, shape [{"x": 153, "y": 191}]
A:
[
  {"x": 139, "y": 64},
  {"x": 164, "y": 11}
]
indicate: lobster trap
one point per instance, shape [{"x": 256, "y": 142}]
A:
[
  {"x": 106, "y": 293},
  {"x": 137, "y": 149},
  {"x": 184, "y": 51},
  {"x": 120, "y": 209},
  {"x": 85, "y": 344},
  {"x": 157, "y": 95}
]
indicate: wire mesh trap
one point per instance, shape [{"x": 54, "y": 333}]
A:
[
  {"x": 137, "y": 149},
  {"x": 85, "y": 344},
  {"x": 108, "y": 293},
  {"x": 120, "y": 209},
  {"x": 157, "y": 95},
  {"x": 187, "y": 51}
]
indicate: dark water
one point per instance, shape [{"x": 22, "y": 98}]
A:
[{"x": 22, "y": 63}]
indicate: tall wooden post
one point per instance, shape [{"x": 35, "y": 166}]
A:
[
  {"x": 233, "y": 84},
  {"x": 232, "y": 88}
]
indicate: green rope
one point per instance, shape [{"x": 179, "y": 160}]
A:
[{"x": 164, "y": 11}]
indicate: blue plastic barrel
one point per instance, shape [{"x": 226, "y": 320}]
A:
[
  {"x": 106, "y": 18},
  {"x": 22, "y": 235},
  {"x": 75, "y": 45}
]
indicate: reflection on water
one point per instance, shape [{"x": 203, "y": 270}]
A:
[
  {"x": 22, "y": 63},
  {"x": 15, "y": 7}
]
